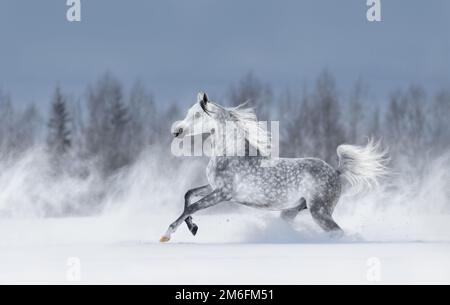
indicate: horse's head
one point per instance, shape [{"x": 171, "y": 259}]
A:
[{"x": 199, "y": 119}]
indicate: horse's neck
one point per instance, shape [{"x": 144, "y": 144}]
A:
[
  {"x": 218, "y": 146},
  {"x": 219, "y": 143},
  {"x": 249, "y": 151}
]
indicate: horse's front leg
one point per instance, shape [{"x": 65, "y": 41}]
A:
[
  {"x": 209, "y": 200},
  {"x": 196, "y": 192}
]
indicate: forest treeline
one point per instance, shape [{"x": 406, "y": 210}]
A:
[{"x": 109, "y": 125}]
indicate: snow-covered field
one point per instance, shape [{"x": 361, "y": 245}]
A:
[
  {"x": 229, "y": 249},
  {"x": 185, "y": 263}
]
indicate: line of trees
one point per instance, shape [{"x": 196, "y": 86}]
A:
[{"x": 111, "y": 126}]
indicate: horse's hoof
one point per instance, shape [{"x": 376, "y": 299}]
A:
[
  {"x": 193, "y": 229},
  {"x": 164, "y": 239}
]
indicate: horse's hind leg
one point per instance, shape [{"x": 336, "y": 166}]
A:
[
  {"x": 321, "y": 211},
  {"x": 290, "y": 214}
]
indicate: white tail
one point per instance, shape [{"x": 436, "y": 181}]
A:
[{"x": 362, "y": 166}]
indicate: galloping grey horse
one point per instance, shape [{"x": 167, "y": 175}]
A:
[{"x": 288, "y": 185}]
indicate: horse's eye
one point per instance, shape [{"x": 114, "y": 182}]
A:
[{"x": 197, "y": 115}]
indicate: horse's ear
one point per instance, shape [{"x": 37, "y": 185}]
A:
[
  {"x": 203, "y": 101},
  {"x": 202, "y": 98}
]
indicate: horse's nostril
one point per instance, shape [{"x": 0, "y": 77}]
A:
[{"x": 177, "y": 132}]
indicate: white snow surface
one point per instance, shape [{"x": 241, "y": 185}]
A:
[{"x": 228, "y": 249}]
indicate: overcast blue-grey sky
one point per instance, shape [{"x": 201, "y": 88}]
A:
[{"x": 176, "y": 47}]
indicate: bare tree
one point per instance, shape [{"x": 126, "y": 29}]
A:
[
  {"x": 107, "y": 131},
  {"x": 374, "y": 124},
  {"x": 355, "y": 114},
  {"x": 100, "y": 98},
  {"x": 325, "y": 113},
  {"x": 143, "y": 117},
  {"x": 7, "y": 121},
  {"x": 440, "y": 128},
  {"x": 290, "y": 125},
  {"x": 29, "y": 127},
  {"x": 297, "y": 122},
  {"x": 118, "y": 151},
  {"x": 259, "y": 95},
  {"x": 406, "y": 124},
  {"x": 18, "y": 129}
]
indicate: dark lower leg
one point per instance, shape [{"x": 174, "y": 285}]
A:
[
  {"x": 193, "y": 228},
  {"x": 213, "y": 198},
  {"x": 199, "y": 191}
]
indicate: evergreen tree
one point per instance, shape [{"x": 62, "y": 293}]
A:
[{"x": 59, "y": 135}]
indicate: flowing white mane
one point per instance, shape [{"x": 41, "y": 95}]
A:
[{"x": 244, "y": 118}]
